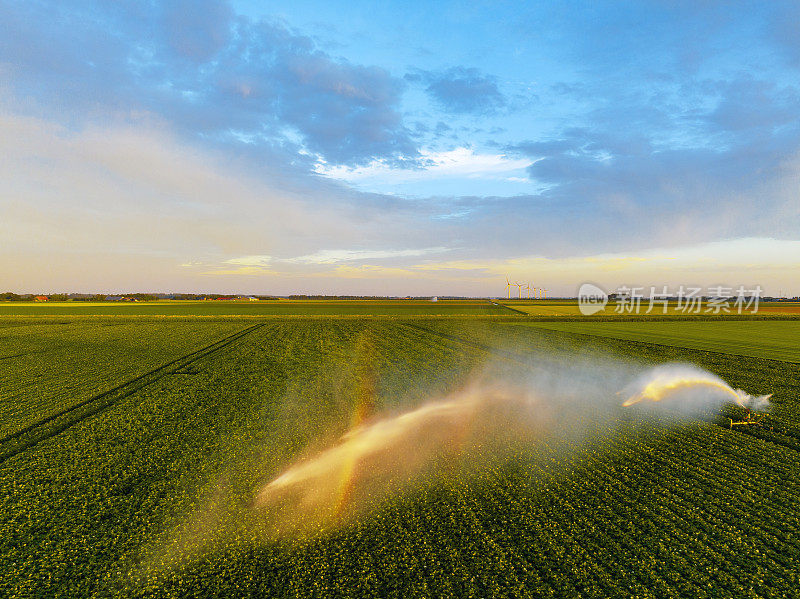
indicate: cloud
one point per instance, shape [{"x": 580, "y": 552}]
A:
[
  {"x": 749, "y": 262},
  {"x": 198, "y": 29},
  {"x": 214, "y": 78},
  {"x": 137, "y": 137},
  {"x": 462, "y": 90},
  {"x": 87, "y": 200},
  {"x": 461, "y": 162},
  {"x": 748, "y": 104},
  {"x": 459, "y": 171},
  {"x": 720, "y": 167},
  {"x": 782, "y": 27},
  {"x": 347, "y": 114},
  {"x": 254, "y": 260},
  {"x": 337, "y": 256},
  {"x": 745, "y": 261}
]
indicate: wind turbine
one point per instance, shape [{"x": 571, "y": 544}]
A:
[
  {"x": 508, "y": 287},
  {"x": 528, "y": 287},
  {"x": 519, "y": 290}
]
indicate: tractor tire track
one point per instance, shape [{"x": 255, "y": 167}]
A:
[
  {"x": 56, "y": 423},
  {"x": 21, "y": 355}
]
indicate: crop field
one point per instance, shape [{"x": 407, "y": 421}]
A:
[
  {"x": 133, "y": 452},
  {"x": 544, "y": 307},
  {"x": 258, "y": 308},
  {"x": 44, "y": 366},
  {"x": 757, "y": 338},
  {"x": 570, "y": 308}
]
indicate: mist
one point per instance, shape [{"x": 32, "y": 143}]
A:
[{"x": 505, "y": 410}]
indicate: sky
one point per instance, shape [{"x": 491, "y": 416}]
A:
[{"x": 398, "y": 148}]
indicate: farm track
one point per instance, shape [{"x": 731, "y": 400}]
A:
[
  {"x": 19, "y": 355},
  {"x": 56, "y": 423}
]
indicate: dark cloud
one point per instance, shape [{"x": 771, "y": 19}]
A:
[
  {"x": 748, "y": 104},
  {"x": 461, "y": 90},
  {"x": 208, "y": 74},
  {"x": 197, "y": 29},
  {"x": 783, "y": 29},
  {"x": 656, "y": 173},
  {"x": 347, "y": 113}
]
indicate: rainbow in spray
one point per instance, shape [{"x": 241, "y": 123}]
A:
[{"x": 379, "y": 457}]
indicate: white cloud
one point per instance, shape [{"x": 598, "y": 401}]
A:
[
  {"x": 459, "y": 162},
  {"x": 337, "y": 256},
  {"x": 253, "y": 260}
]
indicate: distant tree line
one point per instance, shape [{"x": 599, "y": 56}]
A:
[
  {"x": 13, "y": 297},
  {"x": 10, "y": 296},
  {"x": 339, "y": 297},
  {"x": 374, "y": 297}
]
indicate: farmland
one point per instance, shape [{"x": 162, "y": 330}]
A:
[
  {"x": 257, "y": 308},
  {"x": 775, "y": 339},
  {"x": 146, "y": 488},
  {"x": 570, "y": 308},
  {"x": 93, "y": 354}
]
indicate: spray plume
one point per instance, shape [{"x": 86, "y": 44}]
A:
[
  {"x": 690, "y": 385},
  {"x": 487, "y": 420},
  {"x": 379, "y": 458}
]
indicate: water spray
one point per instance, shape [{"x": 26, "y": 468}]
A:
[
  {"x": 681, "y": 384},
  {"x": 553, "y": 405},
  {"x": 379, "y": 458}
]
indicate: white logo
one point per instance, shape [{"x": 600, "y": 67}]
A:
[{"x": 591, "y": 299}]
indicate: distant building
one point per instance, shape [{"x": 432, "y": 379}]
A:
[
  {"x": 434, "y": 299},
  {"x": 40, "y": 298},
  {"x": 252, "y": 299}
]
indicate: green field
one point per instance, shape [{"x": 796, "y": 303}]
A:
[
  {"x": 779, "y": 340},
  {"x": 478, "y": 307},
  {"x": 45, "y": 366},
  {"x": 257, "y": 308},
  {"x": 570, "y": 308},
  {"x": 132, "y": 449}
]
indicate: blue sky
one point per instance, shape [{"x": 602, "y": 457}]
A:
[{"x": 345, "y": 147}]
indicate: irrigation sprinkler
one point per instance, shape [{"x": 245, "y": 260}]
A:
[{"x": 750, "y": 419}]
